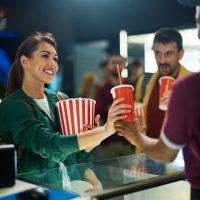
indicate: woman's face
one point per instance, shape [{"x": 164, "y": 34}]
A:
[{"x": 42, "y": 65}]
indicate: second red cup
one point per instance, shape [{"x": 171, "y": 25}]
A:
[
  {"x": 166, "y": 84},
  {"x": 125, "y": 91}
]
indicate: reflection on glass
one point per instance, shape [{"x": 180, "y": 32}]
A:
[{"x": 89, "y": 178}]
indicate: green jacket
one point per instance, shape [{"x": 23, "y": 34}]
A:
[{"x": 43, "y": 144}]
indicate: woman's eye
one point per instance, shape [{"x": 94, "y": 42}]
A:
[
  {"x": 55, "y": 59},
  {"x": 45, "y": 55}
]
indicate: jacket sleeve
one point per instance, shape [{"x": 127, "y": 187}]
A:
[
  {"x": 20, "y": 127},
  {"x": 83, "y": 156}
]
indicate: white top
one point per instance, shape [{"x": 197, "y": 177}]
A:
[{"x": 44, "y": 105}]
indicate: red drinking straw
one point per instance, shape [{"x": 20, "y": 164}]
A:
[{"x": 119, "y": 76}]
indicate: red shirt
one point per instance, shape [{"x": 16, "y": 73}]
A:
[{"x": 155, "y": 116}]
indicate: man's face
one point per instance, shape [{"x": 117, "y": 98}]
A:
[
  {"x": 167, "y": 57},
  {"x": 113, "y": 62}
]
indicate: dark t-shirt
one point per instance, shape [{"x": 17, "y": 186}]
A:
[{"x": 181, "y": 128}]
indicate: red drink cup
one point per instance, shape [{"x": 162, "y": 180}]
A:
[
  {"x": 125, "y": 91},
  {"x": 74, "y": 113},
  {"x": 166, "y": 84}
]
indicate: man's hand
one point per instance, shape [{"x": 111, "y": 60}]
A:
[
  {"x": 131, "y": 131},
  {"x": 166, "y": 96},
  {"x": 126, "y": 129}
]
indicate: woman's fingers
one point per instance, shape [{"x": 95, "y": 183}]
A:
[
  {"x": 116, "y": 101},
  {"x": 115, "y": 113},
  {"x": 96, "y": 120},
  {"x": 117, "y": 109},
  {"x": 87, "y": 127},
  {"x": 119, "y": 117},
  {"x": 121, "y": 106}
]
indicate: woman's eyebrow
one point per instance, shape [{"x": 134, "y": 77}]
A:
[{"x": 45, "y": 51}]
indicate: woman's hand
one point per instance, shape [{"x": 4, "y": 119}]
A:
[
  {"x": 91, "y": 138},
  {"x": 87, "y": 127},
  {"x": 117, "y": 111}
]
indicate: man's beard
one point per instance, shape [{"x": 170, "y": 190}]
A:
[{"x": 165, "y": 69}]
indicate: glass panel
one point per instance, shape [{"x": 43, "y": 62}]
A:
[{"x": 104, "y": 175}]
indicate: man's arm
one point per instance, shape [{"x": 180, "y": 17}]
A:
[
  {"x": 157, "y": 149},
  {"x": 154, "y": 148}
]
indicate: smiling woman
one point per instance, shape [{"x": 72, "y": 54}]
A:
[
  {"x": 28, "y": 116},
  {"x": 34, "y": 56}
]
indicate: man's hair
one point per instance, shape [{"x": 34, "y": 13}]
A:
[
  {"x": 167, "y": 35},
  {"x": 103, "y": 64},
  {"x": 114, "y": 53}
]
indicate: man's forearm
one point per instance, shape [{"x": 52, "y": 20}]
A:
[{"x": 154, "y": 148}]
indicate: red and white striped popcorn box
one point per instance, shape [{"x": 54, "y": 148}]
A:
[{"x": 74, "y": 113}]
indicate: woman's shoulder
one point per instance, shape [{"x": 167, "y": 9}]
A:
[
  {"x": 13, "y": 102},
  {"x": 10, "y": 105},
  {"x": 8, "y": 99}
]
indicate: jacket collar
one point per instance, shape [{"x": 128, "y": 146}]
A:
[{"x": 51, "y": 97}]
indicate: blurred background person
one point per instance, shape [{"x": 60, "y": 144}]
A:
[
  {"x": 104, "y": 72},
  {"x": 103, "y": 96},
  {"x": 135, "y": 71},
  {"x": 114, "y": 146},
  {"x": 89, "y": 86}
]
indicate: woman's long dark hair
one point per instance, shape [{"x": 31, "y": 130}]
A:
[{"x": 27, "y": 47}]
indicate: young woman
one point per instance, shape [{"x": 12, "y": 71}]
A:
[{"x": 28, "y": 116}]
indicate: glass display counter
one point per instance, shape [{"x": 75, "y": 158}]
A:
[{"x": 109, "y": 178}]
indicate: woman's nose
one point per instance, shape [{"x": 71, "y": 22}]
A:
[{"x": 52, "y": 63}]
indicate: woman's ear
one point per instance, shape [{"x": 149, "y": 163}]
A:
[{"x": 24, "y": 60}]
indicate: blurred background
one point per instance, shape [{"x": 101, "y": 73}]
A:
[{"x": 88, "y": 30}]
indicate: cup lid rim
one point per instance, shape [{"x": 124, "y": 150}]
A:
[
  {"x": 75, "y": 99},
  {"x": 169, "y": 77},
  {"x": 123, "y": 85}
]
